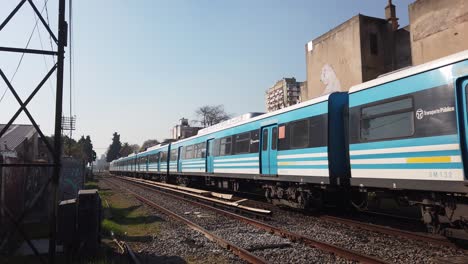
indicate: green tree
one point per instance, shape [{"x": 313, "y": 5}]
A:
[
  {"x": 128, "y": 149},
  {"x": 148, "y": 144},
  {"x": 88, "y": 150},
  {"x": 113, "y": 152}
]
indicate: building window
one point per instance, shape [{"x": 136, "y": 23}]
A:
[
  {"x": 299, "y": 134},
  {"x": 374, "y": 47},
  {"x": 388, "y": 120}
]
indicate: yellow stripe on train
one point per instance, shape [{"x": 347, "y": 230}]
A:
[{"x": 440, "y": 159}]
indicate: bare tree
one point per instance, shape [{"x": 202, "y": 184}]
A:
[{"x": 209, "y": 115}]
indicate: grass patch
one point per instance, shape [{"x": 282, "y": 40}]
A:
[
  {"x": 128, "y": 220},
  {"x": 91, "y": 184}
]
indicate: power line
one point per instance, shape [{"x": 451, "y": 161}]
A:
[
  {"x": 46, "y": 65},
  {"x": 22, "y": 55}
]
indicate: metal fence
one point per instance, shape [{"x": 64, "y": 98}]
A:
[{"x": 24, "y": 197}]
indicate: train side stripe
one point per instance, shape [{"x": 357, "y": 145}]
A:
[
  {"x": 237, "y": 159},
  {"x": 434, "y": 159},
  {"x": 406, "y": 149}
]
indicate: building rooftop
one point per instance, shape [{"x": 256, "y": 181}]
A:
[{"x": 15, "y": 135}]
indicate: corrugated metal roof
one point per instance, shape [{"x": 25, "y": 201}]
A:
[{"x": 15, "y": 135}]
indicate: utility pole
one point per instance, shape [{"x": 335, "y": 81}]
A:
[
  {"x": 56, "y": 149},
  {"x": 62, "y": 42}
]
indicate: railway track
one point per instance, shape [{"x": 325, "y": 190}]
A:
[
  {"x": 246, "y": 251},
  {"x": 391, "y": 231}
]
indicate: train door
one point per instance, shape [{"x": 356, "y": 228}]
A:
[
  {"x": 268, "y": 150},
  {"x": 158, "y": 159},
  {"x": 147, "y": 163},
  {"x": 209, "y": 155},
  {"x": 463, "y": 110},
  {"x": 179, "y": 163}
]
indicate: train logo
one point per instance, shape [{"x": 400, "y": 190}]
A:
[{"x": 419, "y": 114}]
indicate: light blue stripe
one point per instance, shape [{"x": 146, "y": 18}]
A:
[
  {"x": 408, "y": 85},
  {"x": 410, "y": 142},
  {"x": 409, "y": 166},
  {"x": 408, "y": 154}
]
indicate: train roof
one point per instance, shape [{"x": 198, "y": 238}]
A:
[
  {"x": 451, "y": 59},
  {"x": 259, "y": 117}
]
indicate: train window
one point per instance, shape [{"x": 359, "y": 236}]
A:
[
  {"x": 189, "y": 152},
  {"x": 215, "y": 148},
  {"x": 254, "y": 141},
  {"x": 163, "y": 156},
  {"x": 242, "y": 143},
  {"x": 265, "y": 139},
  {"x": 225, "y": 146},
  {"x": 299, "y": 134},
  {"x": 174, "y": 154},
  {"x": 200, "y": 150},
  {"x": 274, "y": 137},
  {"x": 318, "y": 131},
  {"x": 388, "y": 120}
]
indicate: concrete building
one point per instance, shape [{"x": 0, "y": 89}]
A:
[
  {"x": 363, "y": 47},
  {"x": 438, "y": 28},
  {"x": 284, "y": 93},
  {"x": 183, "y": 130},
  {"x": 356, "y": 51}
]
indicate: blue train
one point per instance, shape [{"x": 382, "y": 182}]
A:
[{"x": 404, "y": 134}]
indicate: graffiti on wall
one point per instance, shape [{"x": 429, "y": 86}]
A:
[{"x": 330, "y": 80}]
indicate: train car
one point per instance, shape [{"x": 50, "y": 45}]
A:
[
  {"x": 408, "y": 137},
  {"x": 288, "y": 151}
]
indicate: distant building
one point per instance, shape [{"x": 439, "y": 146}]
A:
[
  {"x": 20, "y": 141},
  {"x": 184, "y": 130},
  {"x": 284, "y": 93},
  {"x": 438, "y": 28}
]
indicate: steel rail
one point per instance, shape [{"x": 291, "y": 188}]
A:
[
  {"x": 390, "y": 231},
  {"x": 329, "y": 248},
  {"x": 239, "y": 251},
  {"x": 233, "y": 204}
]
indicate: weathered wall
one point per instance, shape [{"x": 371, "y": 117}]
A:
[
  {"x": 402, "y": 53},
  {"x": 380, "y": 61},
  {"x": 438, "y": 28},
  {"x": 333, "y": 60}
]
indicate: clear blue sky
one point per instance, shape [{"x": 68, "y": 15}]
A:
[{"x": 142, "y": 65}]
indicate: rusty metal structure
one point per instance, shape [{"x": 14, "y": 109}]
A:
[{"x": 54, "y": 148}]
